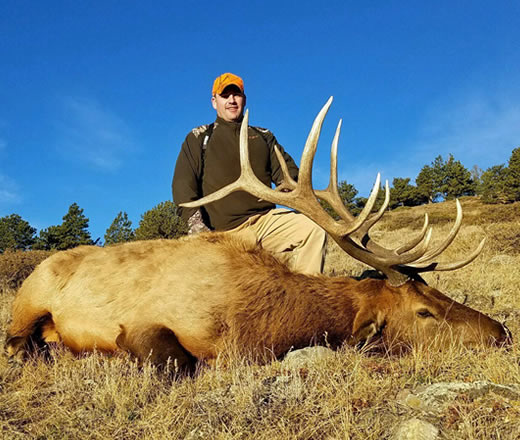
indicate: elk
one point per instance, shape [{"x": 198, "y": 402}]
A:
[{"x": 189, "y": 299}]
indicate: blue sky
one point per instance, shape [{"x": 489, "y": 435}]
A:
[{"x": 96, "y": 97}]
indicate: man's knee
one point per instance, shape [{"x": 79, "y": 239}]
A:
[{"x": 313, "y": 230}]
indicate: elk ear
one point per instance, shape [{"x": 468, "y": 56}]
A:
[{"x": 368, "y": 324}]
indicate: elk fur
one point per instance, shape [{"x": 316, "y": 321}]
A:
[{"x": 190, "y": 298}]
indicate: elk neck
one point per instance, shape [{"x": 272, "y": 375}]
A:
[{"x": 278, "y": 308}]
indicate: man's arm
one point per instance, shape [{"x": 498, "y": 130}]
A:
[{"x": 186, "y": 183}]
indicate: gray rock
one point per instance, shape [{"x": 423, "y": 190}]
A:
[
  {"x": 434, "y": 398},
  {"x": 307, "y": 356},
  {"x": 416, "y": 429}
]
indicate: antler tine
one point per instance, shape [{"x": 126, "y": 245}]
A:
[
  {"x": 367, "y": 209},
  {"x": 424, "y": 263},
  {"x": 362, "y": 233},
  {"x": 414, "y": 242},
  {"x": 363, "y": 236},
  {"x": 331, "y": 194},
  {"x": 309, "y": 151},
  {"x": 402, "y": 250},
  {"x": 388, "y": 265},
  {"x": 451, "y": 236},
  {"x": 382, "y": 210},
  {"x": 287, "y": 182},
  {"x": 333, "y": 179},
  {"x": 390, "y": 260},
  {"x": 431, "y": 267}
]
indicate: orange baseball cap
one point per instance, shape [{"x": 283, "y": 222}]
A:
[{"x": 224, "y": 80}]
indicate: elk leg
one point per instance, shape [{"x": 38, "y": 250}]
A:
[
  {"x": 157, "y": 344},
  {"x": 33, "y": 338}
]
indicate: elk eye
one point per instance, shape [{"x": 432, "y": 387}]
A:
[{"x": 424, "y": 313}]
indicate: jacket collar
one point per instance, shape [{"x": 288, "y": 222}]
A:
[{"x": 232, "y": 125}]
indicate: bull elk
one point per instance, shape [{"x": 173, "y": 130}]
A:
[{"x": 189, "y": 299}]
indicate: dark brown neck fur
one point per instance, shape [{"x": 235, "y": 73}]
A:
[{"x": 278, "y": 309}]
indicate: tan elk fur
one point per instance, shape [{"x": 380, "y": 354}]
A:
[{"x": 192, "y": 297}]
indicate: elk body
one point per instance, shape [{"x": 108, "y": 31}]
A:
[{"x": 189, "y": 299}]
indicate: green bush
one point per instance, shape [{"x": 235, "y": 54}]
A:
[{"x": 162, "y": 221}]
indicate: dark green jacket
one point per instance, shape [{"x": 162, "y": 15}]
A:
[{"x": 221, "y": 167}]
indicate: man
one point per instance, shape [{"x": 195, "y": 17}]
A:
[{"x": 209, "y": 159}]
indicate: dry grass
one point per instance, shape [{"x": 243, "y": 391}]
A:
[
  {"x": 347, "y": 396},
  {"x": 16, "y": 266}
]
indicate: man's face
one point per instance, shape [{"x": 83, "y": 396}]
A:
[{"x": 229, "y": 104}]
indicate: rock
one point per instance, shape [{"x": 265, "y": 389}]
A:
[
  {"x": 416, "y": 429},
  {"x": 306, "y": 356},
  {"x": 434, "y": 398}
]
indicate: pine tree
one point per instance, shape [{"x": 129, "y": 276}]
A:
[
  {"x": 456, "y": 180},
  {"x": 49, "y": 239},
  {"x": 162, "y": 221},
  {"x": 16, "y": 233},
  {"x": 403, "y": 193},
  {"x": 427, "y": 185},
  {"x": 448, "y": 179},
  {"x": 74, "y": 230},
  {"x": 71, "y": 233},
  {"x": 493, "y": 187},
  {"x": 120, "y": 230},
  {"x": 512, "y": 178}
]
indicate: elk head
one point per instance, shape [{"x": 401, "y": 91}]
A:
[
  {"x": 394, "y": 317},
  {"x": 401, "y": 307}
]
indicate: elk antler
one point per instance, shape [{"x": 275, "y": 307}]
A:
[{"x": 351, "y": 233}]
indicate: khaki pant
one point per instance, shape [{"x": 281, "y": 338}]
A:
[{"x": 290, "y": 236}]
